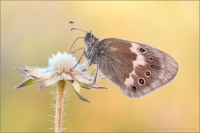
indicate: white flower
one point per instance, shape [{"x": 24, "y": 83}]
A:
[{"x": 60, "y": 67}]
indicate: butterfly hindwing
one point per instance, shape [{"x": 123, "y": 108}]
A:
[{"x": 138, "y": 69}]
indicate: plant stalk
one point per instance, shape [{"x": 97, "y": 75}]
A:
[{"x": 59, "y": 106}]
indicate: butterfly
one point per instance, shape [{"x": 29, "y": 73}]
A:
[{"x": 136, "y": 68}]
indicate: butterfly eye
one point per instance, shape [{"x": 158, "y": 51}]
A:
[{"x": 91, "y": 39}]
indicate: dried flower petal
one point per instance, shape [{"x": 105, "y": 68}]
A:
[
  {"x": 67, "y": 77},
  {"x": 22, "y": 71},
  {"x": 49, "y": 82},
  {"x": 76, "y": 88}
]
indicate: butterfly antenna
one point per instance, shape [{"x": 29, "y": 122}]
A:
[
  {"x": 79, "y": 29},
  {"x": 72, "y": 22}
]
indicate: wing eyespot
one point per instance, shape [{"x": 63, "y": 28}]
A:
[
  {"x": 134, "y": 87},
  {"x": 142, "y": 50},
  {"x": 147, "y": 73},
  {"x": 141, "y": 81},
  {"x": 150, "y": 58},
  {"x": 152, "y": 66}
]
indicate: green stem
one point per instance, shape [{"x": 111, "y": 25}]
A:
[{"x": 59, "y": 106}]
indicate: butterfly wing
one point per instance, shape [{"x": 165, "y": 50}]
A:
[{"x": 136, "y": 68}]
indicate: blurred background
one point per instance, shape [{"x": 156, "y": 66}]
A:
[{"x": 32, "y": 31}]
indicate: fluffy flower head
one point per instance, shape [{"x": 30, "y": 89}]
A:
[{"x": 62, "y": 66}]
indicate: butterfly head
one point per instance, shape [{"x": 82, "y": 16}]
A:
[{"x": 90, "y": 39}]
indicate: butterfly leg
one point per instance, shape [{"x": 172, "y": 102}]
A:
[
  {"x": 93, "y": 72},
  {"x": 78, "y": 61},
  {"x": 97, "y": 87},
  {"x": 84, "y": 51},
  {"x": 103, "y": 77},
  {"x": 95, "y": 76}
]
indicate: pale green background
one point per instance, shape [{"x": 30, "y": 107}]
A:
[{"x": 32, "y": 31}]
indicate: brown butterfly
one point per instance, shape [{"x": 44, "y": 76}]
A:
[{"x": 136, "y": 68}]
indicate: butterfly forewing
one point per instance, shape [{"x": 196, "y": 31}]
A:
[{"x": 136, "y": 68}]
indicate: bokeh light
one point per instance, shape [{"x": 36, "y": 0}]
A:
[{"x": 31, "y": 31}]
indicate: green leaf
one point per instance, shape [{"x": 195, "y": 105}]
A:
[{"x": 26, "y": 82}]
